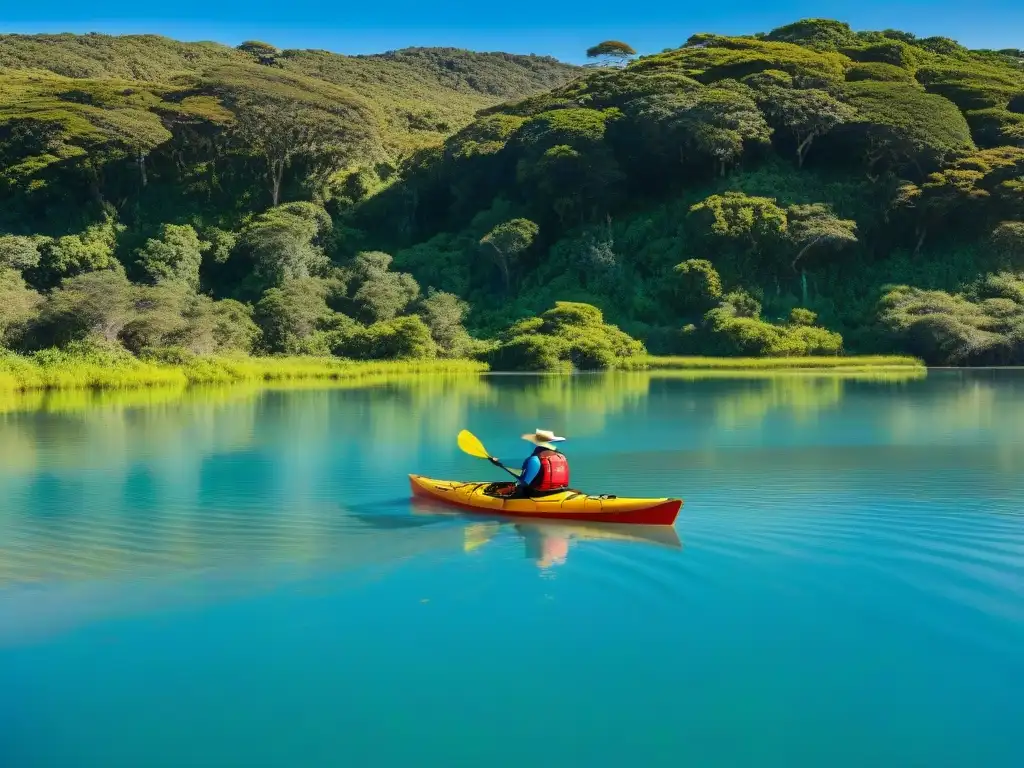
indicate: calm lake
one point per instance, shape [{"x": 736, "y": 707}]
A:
[{"x": 237, "y": 577}]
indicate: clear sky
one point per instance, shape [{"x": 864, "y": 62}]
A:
[{"x": 561, "y": 28}]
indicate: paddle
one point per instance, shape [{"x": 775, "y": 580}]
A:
[{"x": 471, "y": 444}]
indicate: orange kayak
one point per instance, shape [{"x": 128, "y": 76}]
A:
[{"x": 495, "y": 499}]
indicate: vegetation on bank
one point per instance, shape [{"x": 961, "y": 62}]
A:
[
  {"x": 858, "y": 362},
  {"x": 810, "y": 191},
  {"x": 812, "y": 168},
  {"x": 97, "y": 366}
]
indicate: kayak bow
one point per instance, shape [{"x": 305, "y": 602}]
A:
[{"x": 493, "y": 499}]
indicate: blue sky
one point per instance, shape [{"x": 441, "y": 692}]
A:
[{"x": 562, "y": 28}]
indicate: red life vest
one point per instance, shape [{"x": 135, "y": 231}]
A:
[{"x": 554, "y": 472}]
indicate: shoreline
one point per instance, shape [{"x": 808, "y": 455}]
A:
[
  {"x": 856, "y": 362},
  {"x": 55, "y": 373},
  {"x": 21, "y": 374},
  {"x": 60, "y": 372}
]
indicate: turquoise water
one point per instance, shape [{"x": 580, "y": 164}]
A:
[{"x": 238, "y": 578}]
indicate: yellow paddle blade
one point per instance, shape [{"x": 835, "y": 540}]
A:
[{"x": 471, "y": 444}]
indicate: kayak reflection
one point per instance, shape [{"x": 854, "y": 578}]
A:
[{"x": 546, "y": 542}]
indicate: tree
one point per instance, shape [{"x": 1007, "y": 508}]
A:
[
  {"x": 282, "y": 119},
  {"x": 956, "y": 329},
  {"x": 400, "y": 338},
  {"x": 824, "y": 34},
  {"x": 284, "y": 243},
  {"x": 233, "y": 329},
  {"x": 573, "y": 183},
  {"x": 169, "y": 315},
  {"x": 96, "y": 303},
  {"x": 969, "y": 195},
  {"x": 382, "y": 295},
  {"x": 715, "y": 123},
  {"x": 507, "y": 242},
  {"x": 901, "y": 125},
  {"x": 807, "y": 114},
  {"x": 751, "y": 221},
  {"x": 157, "y": 317},
  {"x": 19, "y": 253},
  {"x": 72, "y": 255},
  {"x": 815, "y": 225},
  {"x": 222, "y": 243},
  {"x": 19, "y": 304},
  {"x": 530, "y": 352},
  {"x": 176, "y": 255},
  {"x": 740, "y": 303},
  {"x": 723, "y": 121},
  {"x": 611, "y": 53},
  {"x": 441, "y": 260},
  {"x": 1008, "y": 240},
  {"x": 801, "y": 316},
  {"x": 697, "y": 284},
  {"x": 566, "y": 164},
  {"x": 264, "y": 53},
  {"x": 134, "y": 132},
  {"x": 444, "y": 314},
  {"x": 289, "y": 315},
  {"x": 569, "y": 335}
]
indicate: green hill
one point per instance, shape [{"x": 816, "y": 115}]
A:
[
  {"x": 805, "y": 191},
  {"x": 421, "y": 92},
  {"x": 701, "y": 195},
  {"x": 68, "y": 101}
]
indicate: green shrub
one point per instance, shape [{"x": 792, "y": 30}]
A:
[
  {"x": 879, "y": 71},
  {"x": 983, "y": 326},
  {"x": 531, "y": 353},
  {"x": 801, "y": 316},
  {"x": 401, "y": 338},
  {"x": 569, "y": 335}
]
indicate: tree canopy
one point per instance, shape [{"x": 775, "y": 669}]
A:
[
  {"x": 612, "y": 52},
  {"x": 757, "y": 194}
]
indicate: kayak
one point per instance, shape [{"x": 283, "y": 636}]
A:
[{"x": 496, "y": 499}]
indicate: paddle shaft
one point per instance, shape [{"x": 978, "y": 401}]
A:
[{"x": 497, "y": 463}]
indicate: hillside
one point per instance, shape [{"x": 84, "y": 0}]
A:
[
  {"x": 67, "y": 100},
  {"x": 697, "y": 193},
  {"x": 422, "y": 92},
  {"x": 803, "y": 191}
]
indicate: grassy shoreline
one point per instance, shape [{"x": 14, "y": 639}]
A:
[
  {"x": 62, "y": 370},
  {"x": 857, "y": 362},
  {"x": 68, "y": 372}
]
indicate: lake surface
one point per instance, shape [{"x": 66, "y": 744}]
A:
[{"x": 238, "y": 578}]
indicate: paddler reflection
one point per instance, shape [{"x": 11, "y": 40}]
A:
[
  {"x": 545, "y": 547},
  {"x": 548, "y": 544}
]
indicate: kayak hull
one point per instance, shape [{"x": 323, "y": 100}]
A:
[{"x": 482, "y": 498}]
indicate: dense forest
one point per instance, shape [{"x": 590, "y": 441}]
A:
[{"x": 810, "y": 190}]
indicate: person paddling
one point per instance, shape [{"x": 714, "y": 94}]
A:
[{"x": 546, "y": 469}]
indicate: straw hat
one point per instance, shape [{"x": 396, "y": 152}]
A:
[{"x": 543, "y": 438}]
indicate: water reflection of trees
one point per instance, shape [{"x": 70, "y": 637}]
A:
[
  {"x": 579, "y": 405},
  {"x": 97, "y": 483},
  {"x": 107, "y": 482},
  {"x": 308, "y": 426},
  {"x": 966, "y": 408},
  {"x": 113, "y": 424},
  {"x": 85, "y": 429},
  {"x": 741, "y": 398}
]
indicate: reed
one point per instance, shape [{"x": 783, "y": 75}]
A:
[
  {"x": 861, "y": 363},
  {"x": 68, "y": 370}
]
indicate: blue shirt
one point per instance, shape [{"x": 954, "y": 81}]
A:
[{"x": 531, "y": 468}]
